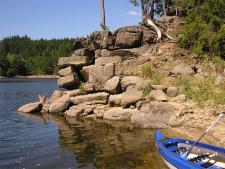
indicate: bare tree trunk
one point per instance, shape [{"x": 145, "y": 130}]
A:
[
  {"x": 164, "y": 8},
  {"x": 103, "y": 16},
  {"x": 150, "y": 22}
]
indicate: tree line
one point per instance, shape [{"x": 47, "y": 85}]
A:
[{"x": 24, "y": 56}]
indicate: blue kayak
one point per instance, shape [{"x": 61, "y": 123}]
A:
[{"x": 201, "y": 156}]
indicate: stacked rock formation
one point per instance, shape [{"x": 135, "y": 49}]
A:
[
  {"x": 103, "y": 82},
  {"x": 103, "y": 55}
]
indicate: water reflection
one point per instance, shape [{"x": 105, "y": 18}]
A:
[{"x": 111, "y": 145}]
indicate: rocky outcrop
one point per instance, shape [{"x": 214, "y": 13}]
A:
[{"x": 30, "y": 108}]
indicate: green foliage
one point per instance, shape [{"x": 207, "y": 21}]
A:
[
  {"x": 82, "y": 90},
  {"x": 149, "y": 72},
  {"x": 204, "y": 29},
  {"x": 202, "y": 90},
  {"x": 23, "y": 56},
  {"x": 146, "y": 89}
]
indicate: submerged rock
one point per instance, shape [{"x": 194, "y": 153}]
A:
[
  {"x": 30, "y": 108},
  {"x": 118, "y": 113},
  {"x": 152, "y": 115}
]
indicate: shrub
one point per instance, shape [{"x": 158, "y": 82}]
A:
[
  {"x": 146, "y": 89},
  {"x": 149, "y": 72}
]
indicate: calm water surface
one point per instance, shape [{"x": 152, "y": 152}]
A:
[{"x": 54, "y": 142}]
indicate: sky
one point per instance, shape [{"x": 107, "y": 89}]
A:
[{"x": 63, "y": 18}]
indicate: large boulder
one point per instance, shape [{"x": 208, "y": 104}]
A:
[
  {"x": 115, "y": 100},
  {"x": 182, "y": 69},
  {"x": 100, "y": 74},
  {"x": 113, "y": 85},
  {"x": 59, "y": 105},
  {"x": 118, "y": 113},
  {"x": 95, "y": 98},
  {"x": 66, "y": 71},
  {"x": 129, "y": 80},
  {"x": 152, "y": 115},
  {"x": 30, "y": 108},
  {"x": 131, "y": 96},
  {"x": 149, "y": 36},
  {"x": 69, "y": 81},
  {"x": 172, "y": 91},
  {"x": 75, "y": 61},
  {"x": 129, "y": 37},
  {"x": 157, "y": 95}
]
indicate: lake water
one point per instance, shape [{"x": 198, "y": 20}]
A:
[{"x": 54, "y": 142}]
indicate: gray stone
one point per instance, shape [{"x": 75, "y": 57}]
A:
[
  {"x": 57, "y": 94},
  {"x": 30, "y": 108},
  {"x": 115, "y": 100},
  {"x": 80, "y": 110},
  {"x": 172, "y": 91},
  {"x": 75, "y": 61},
  {"x": 131, "y": 96},
  {"x": 113, "y": 85},
  {"x": 128, "y": 81},
  {"x": 179, "y": 98},
  {"x": 107, "y": 60},
  {"x": 129, "y": 37},
  {"x": 118, "y": 113},
  {"x": 158, "y": 87},
  {"x": 153, "y": 115},
  {"x": 66, "y": 71},
  {"x": 157, "y": 95},
  {"x": 95, "y": 98},
  {"x": 59, "y": 105},
  {"x": 70, "y": 81},
  {"x": 182, "y": 69},
  {"x": 100, "y": 74}
]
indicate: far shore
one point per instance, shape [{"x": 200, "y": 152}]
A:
[{"x": 34, "y": 77}]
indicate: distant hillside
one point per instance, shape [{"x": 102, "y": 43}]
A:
[{"x": 24, "y": 56}]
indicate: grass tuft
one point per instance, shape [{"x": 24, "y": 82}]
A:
[{"x": 149, "y": 72}]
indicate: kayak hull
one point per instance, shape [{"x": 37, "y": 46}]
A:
[{"x": 168, "y": 148}]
